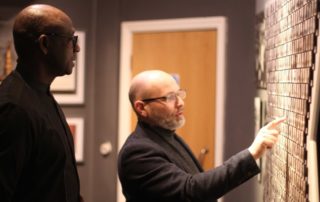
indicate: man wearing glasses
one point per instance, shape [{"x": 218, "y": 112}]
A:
[
  {"x": 156, "y": 165},
  {"x": 37, "y": 160}
]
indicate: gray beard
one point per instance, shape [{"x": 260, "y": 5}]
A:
[{"x": 171, "y": 124}]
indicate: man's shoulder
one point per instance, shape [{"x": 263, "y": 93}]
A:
[
  {"x": 15, "y": 91},
  {"x": 137, "y": 140},
  {"x": 12, "y": 87}
]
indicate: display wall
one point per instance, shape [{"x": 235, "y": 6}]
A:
[{"x": 290, "y": 60}]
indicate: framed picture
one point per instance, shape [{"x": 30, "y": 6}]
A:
[
  {"x": 257, "y": 114},
  {"x": 7, "y": 58},
  {"x": 69, "y": 89},
  {"x": 257, "y": 126},
  {"x": 260, "y": 71},
  {"x": 77, "y": 129}
]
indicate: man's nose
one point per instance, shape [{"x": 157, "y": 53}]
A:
[
  {"x": 76, "y": 48},
  {"x": 180, "y": 101}
]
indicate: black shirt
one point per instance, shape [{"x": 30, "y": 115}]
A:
[{"x": 37, "y": 160}]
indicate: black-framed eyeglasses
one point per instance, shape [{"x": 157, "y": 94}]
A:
[
  {"x": 170, "y": 97},
  {"x": 73, "y": 38}
]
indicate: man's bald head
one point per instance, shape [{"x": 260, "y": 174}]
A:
[
  {"x": 157, "y": 85},
  {"x": 149, "y": 84},
  {"x": 35, "y": 20}
]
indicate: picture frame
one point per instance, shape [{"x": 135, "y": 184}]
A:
[
  {"x": 69, "y": 89},
  {"x": 257, "y": 126},
  {"x": 257, "y": 114},
  {"x": 76, "y": 125},
  {"x": 260, "y": 43}
]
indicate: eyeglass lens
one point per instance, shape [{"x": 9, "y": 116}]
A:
[{"x": 182, "y": 94}]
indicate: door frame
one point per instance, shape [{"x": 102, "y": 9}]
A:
[{"x": 129, "y": 28}]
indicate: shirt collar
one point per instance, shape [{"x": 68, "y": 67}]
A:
[
  {"x": 165, "y": 133},
  {"x": 41, "y": 87}
]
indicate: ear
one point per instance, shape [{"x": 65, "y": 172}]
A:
[
  {"x": 44, "y": 43},
  {"x": 140, "y": 108}
]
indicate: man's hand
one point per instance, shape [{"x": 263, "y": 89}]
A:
[{"x": 266, "y": 138}]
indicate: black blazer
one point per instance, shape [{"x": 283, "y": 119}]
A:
[{"x": 148, "y": 171}]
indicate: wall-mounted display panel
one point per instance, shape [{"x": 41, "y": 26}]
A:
[{"x": 291, "y": 58}]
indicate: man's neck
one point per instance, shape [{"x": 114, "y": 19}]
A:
[
  {"x": 34, "y": 72},
  {"x": 158, "y": 129}
]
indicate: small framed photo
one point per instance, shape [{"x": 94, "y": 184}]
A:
[
  {"x": 76, "y": 126},
  {"x": 257, "y": 114},
  {"x": 69, "y": 89}
]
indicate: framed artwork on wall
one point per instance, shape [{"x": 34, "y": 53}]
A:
[
  {"x": 69, "y": 89},
  {"x": 7, "y": 58},
  {"x": 257, "y": 114},
  {"x": 76, "y": 126},
  {"x": 260, "y": 70}
]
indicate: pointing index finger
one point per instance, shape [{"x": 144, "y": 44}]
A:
[{"x": 276, "y": 122}]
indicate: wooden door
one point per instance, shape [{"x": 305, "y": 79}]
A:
[{"x": 190, "y": 55}]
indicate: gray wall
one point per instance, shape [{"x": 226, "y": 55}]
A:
[{"x": 101, "y": 21}]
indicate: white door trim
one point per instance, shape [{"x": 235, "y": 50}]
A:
[{"x": 184, "y": 24}]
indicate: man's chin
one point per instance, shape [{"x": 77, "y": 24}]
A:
[
  {"x": 181, "y": 123},
  {"x": 173, "y": 125},
  {"x": 68, "y": 71}
]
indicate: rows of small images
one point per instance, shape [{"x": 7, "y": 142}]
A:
[{"x": 291, "y": 39}]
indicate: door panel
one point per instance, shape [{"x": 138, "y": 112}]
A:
[{"x": 191, "y": 56}]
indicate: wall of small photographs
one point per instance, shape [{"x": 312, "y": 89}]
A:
[{"x": 291, "y": 54}]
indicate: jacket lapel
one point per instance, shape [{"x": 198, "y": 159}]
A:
[
  {"x": 187, "y": 148},
  {"x": 172, "y": 153}
]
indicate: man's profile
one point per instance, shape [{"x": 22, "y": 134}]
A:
[{"x": 156, "y": 165}]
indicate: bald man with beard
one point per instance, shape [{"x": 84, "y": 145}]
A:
[
  {"x": 37, "y": 162},
  {"x": 156, "y": 165}
]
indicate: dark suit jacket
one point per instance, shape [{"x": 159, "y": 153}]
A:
[{"x": 149, "y": 172}]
